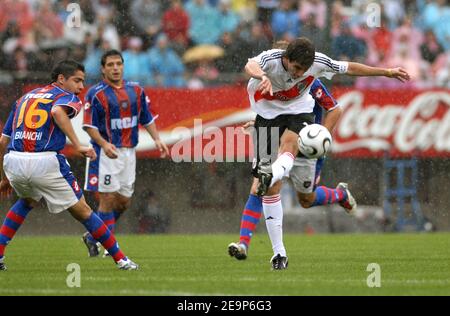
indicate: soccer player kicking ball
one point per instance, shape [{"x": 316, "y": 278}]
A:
[
  {"x": 113, "y": 110},
  {"x": 303, "y": 182},
  {"x": 279, "y": 94},
  {"x": 34, "y": 134}
]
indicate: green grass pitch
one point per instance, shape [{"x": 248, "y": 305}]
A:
[{"x": 411, "y": 264}]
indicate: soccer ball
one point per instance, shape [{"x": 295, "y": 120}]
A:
[{"x": 314, "y": 141}]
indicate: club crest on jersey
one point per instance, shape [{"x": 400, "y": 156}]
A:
[
  {"x": 124, "y": 104},
  {"x": 93, "y": 180}
]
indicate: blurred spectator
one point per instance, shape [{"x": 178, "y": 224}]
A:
[
  {"x": 232, "y": 61},
  {"x": 246, "y": 9},
  {"x": 348, "y": 47},
  {"x": 229, "y": 20},
  {"x": 92, "y": 63},
  {"x": 18, "y": 11},
  {"x": 47, "y": 24},
  {"x": 152, "y": 217},
  {"x": 430, "y": 49},
  {"x": 205, "y": 25},
  {"x": 407, "y": 35},
  {"x": 146, "y": 15},
  {"x": 285, "y": 21},
  {"x": 206, "y": 72},
  {"x": 265, "y": 10},
  {"x": 394, "y": 10},
  {"x": 443, "y": 74},
  {"x": 103, "y": 9},
  {"x": 257, "y": 41},
  {"x": 403, "y": 57},
  {"x": 317, "y": 8},
  {"x": 166, "y": 67},
  {"x": 136, "y": 63},
  {"x": 108, "y": 32},
  {"x": 175, "y": 24},
  {"x": 313, "y": 32},
  {"x": 436, "y": 16}
]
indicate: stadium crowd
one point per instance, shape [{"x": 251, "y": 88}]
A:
[{"x": 156, "y": 35}]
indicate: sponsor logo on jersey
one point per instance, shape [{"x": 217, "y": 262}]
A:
[
  {"x": 38, "y": 96},
  {"x": 126, "y": 122}
]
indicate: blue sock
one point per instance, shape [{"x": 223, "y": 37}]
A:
[
  {"x": 97, "y": 228},
  {"x": 250, "y": 218},
  {"x": 14, "y": 218}
]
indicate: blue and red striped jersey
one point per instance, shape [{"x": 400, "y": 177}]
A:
[
  {"x": 323, "y": 100},
  {"x": 30, "y": 125},
  {"x": 116, "y": 112}
]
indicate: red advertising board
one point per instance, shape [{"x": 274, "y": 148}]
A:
[{"x": 400, "y": 122}]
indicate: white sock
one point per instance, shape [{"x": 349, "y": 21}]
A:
[
  {"x": 273, "y": 213},
  {"x": 282, "y": 166}
]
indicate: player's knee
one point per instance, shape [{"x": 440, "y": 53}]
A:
[{"x": 306, "y": 201}]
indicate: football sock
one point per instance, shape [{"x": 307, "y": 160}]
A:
[
  {"x": 326, "y": 195},
  {"x": 273, "y": 212},
  {"x": 102, "y": 234},
  {"x": 250, "y": 218},
  {"x": 14, "y": 218},
  {"x": 281, "y": 167},
  {"x": 109, "y": 219}
]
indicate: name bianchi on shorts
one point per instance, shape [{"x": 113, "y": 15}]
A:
[{"x": 28, "y": 135}]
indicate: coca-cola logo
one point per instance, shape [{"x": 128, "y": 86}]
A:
[{"x": 423, "y": 124}]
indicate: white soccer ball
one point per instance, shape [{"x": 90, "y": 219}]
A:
[{"x": 314, "y": 141}]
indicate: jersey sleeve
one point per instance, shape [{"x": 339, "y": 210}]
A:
[
  {"x": 329, "y": 67},
  {"x": 7, "y": 129},
  {"x": 322, "y": 96},
  {"x": 145, "y": 116},
  {"x": 72, "y": 104},
  {"x": 90, "y": 114},
  {"x": 268, "y": 59}
]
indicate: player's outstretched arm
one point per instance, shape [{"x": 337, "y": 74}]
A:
[
  {"x": 162, "y": 147},
  {"x": 254, "y": 70},
  {"x": 357, "y": 69},
  {"x": 63, "y": 121}
]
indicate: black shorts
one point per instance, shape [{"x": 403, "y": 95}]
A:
[{"x": 268, "y": 132}]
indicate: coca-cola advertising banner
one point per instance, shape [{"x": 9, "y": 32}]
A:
[
  {"x": 398, "y": 122},
  {"x": 204, "y": 124}
]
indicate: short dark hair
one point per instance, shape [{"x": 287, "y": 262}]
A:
[
  {"x": 302, "y": 51},
  {"x": 67, "y": 68},
  {"x": 111, "y": 52}
]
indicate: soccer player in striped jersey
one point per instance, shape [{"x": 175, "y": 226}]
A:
[
  {"x": 113, "y": 111},
  {"x": 279, "y": 93},
  {"x": 251, "y": 215},
  {"x": 34, "y": 135}
]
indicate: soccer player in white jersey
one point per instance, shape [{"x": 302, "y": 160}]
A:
[{"x": 279, "y": 94}]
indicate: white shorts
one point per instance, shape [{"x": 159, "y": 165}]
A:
[
  {"x": 43, "y": 175},
  {"x": 303, "y": 174},
  {"x": 108, "y": 175}
]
